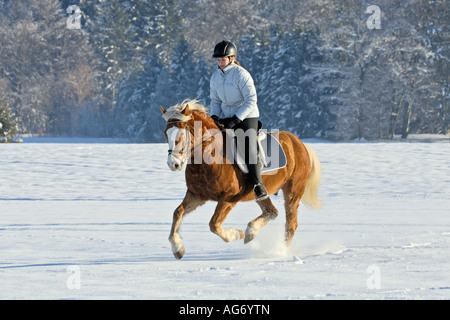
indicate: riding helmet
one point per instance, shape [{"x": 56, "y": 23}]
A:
[{"x": 224, "y": 49}]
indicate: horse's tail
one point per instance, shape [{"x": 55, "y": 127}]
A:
[{"x": 310, "y": 198}]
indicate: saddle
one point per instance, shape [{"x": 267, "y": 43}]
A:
[{"x": 270, "y": 152}]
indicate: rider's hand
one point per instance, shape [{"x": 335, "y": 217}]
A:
[
  {"x": 230, "y": 123},
  {"x": 217, "y": 121}
]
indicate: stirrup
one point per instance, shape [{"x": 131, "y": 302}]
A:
[{"x": 260, "y": 192}]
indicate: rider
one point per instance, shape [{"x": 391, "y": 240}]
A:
[{"x": 233, "y": 104}]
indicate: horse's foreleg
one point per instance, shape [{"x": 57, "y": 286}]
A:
[
  {"x": 269, "y": 212},
  {"x": 190, "y": 202},
  {"x": 220, "y": 214},
  {"x": 174, "y": 238}
]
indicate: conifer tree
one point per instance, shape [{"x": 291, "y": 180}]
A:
[
  {"x": 116, "y": 39},
  {"x": 137, "y": 102},
  {"x": 8, "y": 127},
  {"x": 185, "y": 74}
]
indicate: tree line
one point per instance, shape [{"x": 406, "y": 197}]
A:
[{"x": 334, "y": 70}]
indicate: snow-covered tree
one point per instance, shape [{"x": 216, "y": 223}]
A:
[
  {"x": 39, "y": 59},
  {"x": 319, "y": 68},
  {"x": 286, "y": 78},
  {"x": 187, "y": 72},
  {"x": 137, "y": 101},
  {"x": 8, "y": 127},
  {"x": 211, "y": 21},
  {"x": 431, "y": 17},
  {"x": 116, "y": 38}
]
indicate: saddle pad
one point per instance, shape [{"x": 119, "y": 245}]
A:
[{"x": 272, "y": 154}]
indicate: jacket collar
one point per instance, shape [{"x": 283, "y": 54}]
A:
[{"x": 228, "y": 68}]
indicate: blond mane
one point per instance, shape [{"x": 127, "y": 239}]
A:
[{"x": 175, "y": 112}]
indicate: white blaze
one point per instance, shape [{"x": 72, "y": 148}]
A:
[{"x": 175, "y": 159}]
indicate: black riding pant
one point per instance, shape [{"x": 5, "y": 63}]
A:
[{"x": 247, "y": 131}]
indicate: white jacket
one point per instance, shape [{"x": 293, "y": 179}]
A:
[{"x": 232, "y": 92}]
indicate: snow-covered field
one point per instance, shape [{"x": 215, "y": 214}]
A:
[{"x": 91, "y": 221}]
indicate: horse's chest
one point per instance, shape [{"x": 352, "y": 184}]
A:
[
  {"x": 199, "y": 178},
  {"x": 210, "y": 183}
]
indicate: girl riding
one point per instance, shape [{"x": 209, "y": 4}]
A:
[{"x": 234, "y": 106}]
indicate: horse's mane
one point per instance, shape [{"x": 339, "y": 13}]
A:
[{"x": 175, "y": 112}]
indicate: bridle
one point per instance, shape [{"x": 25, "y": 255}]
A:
[
  {"x": 182, "y": 155},
  {"x": 185, "y": 153}
]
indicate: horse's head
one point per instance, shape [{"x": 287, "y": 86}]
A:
[
  {"x": 189, "y": 129},
  {"x": 178, "y": 136}
]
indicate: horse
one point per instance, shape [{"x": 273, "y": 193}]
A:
[{"x": 187, "y": 125}]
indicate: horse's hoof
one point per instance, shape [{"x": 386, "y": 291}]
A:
[
  {"x": 180, "y": 253},
  {"x": 250, "y": 233},
  {"x": 248, "y": 238}
]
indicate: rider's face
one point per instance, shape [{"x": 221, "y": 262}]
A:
[{"x": 223, "y": 62}]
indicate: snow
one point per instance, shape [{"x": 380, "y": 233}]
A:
[{"x": 90, "y": 221}]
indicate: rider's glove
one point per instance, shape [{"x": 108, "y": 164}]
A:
[{"x": 230, "y": 123}]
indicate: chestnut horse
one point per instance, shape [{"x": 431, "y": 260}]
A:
[{"x": 224, "y": 182}]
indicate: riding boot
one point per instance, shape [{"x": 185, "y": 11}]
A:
[
  {"x": 254, "y": 175},
  {"x": 255, "y": 178}
]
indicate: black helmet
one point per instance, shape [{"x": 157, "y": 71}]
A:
[{"x": 224, "y": 49}]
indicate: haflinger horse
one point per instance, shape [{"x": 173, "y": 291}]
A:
[{"x": 223, "y": 182}]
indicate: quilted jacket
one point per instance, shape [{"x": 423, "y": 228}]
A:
[{"x": 232, "y": 92}]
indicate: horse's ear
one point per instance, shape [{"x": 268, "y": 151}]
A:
[
  {"x": 185, "y": 111},
  {"x": 163, "y": 111}
]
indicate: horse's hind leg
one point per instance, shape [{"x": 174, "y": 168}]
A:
[
  {"x": 269, "y": 212},
  {"x": 189, "y": 204},
  {"x": 291, "y": 203},
  {"x": 220, "y": 214},
  {"x": 291, "y": 207}
]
